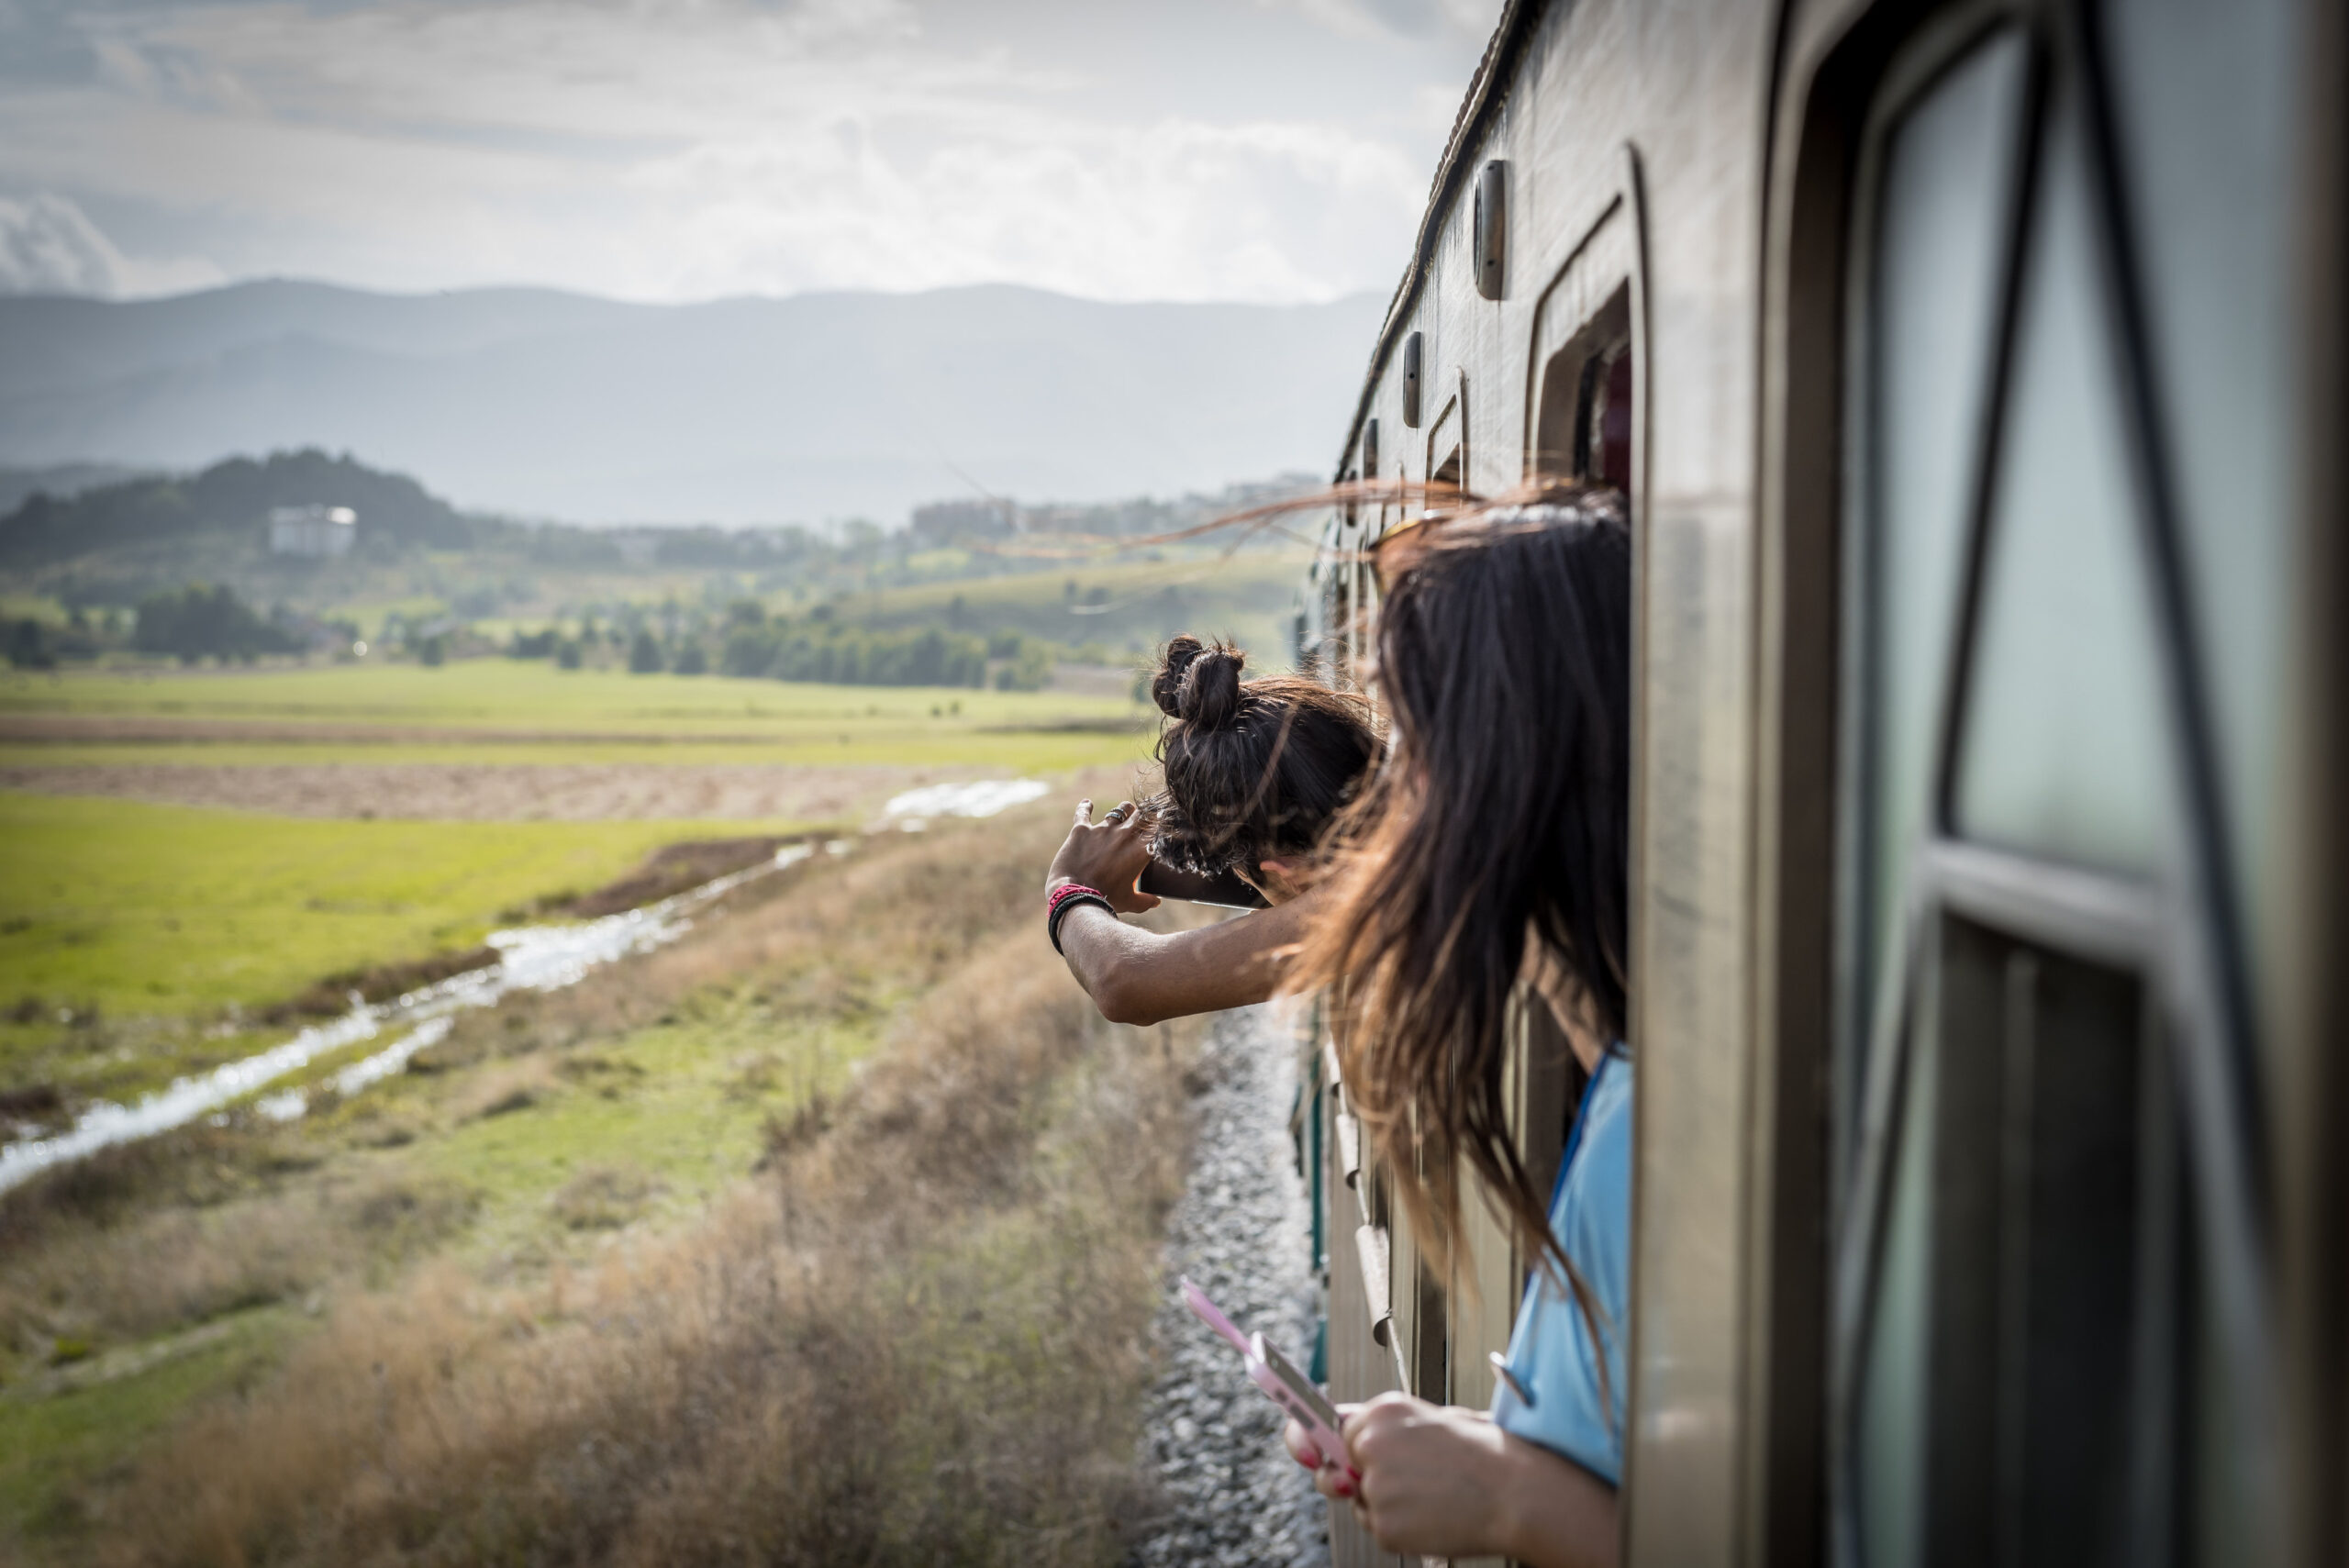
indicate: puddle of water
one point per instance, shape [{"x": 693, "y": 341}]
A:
[
  {"x": 531, "y": 958},
  {"x": 981, "y": 797}
]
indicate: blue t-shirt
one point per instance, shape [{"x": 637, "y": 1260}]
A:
[{"x": 1552, "y": 1351}]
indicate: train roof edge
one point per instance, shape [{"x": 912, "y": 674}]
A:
[{"x": 1476, "y": 107}]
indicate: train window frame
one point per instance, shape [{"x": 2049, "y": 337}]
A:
[
  {"x": 1446, "y": 460},
  {"x": 2174, "y": 932},
  {"x": 1592, "y": 305}
]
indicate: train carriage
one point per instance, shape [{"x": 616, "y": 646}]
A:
[{"x": 1975, "y": 372}]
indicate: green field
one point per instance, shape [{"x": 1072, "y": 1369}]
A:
[
  {"x": 148, "y": 914},
  {"x": 134, "y": 908},
  {"x": 504, "y": 712}
]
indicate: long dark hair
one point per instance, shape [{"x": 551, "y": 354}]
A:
[
  {"x": 1504, "y": 657},
  {"x": 1252, "y": 769}
]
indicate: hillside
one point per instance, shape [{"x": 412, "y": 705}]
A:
[
  {"x": 738, "y": 411},
  {"x": 1127, "y": 607},
  {"x": 231, "y": 498}
]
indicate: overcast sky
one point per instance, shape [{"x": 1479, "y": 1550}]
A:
[{"x": 677, "y": 149}]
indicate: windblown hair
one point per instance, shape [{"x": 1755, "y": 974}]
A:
[
  {"x": 1503, "y": 812},
  {"x": 1253, "y": 769}
]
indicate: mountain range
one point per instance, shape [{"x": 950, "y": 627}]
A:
[{"x": 819, "y": 406}]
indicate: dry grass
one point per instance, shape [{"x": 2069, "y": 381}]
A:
[
  {"x": 917, "y": 1336},
  {"x": 167, "y": 1268},
  {"x": 503, "y": 1089},
  {"x": 605, "y": 1197}
]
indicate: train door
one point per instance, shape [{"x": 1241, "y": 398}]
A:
[{"x": 2065, "y": 642}]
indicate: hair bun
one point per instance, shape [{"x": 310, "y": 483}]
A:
[
  {"x": 1210, "y": 695},
  {"x": 1166, "y": 686},
  {"x": 1198, "y": 683}
]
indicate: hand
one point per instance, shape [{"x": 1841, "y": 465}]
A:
[
  {"x": 1331, "y": 1477},
  {"x": 1435, "y": 1479},
  {"x": 1439, "y": 1481},
  {"x": 1109, "y": 855}
]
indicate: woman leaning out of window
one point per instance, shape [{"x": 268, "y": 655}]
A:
[
  {"x": 1493, "y": 845},
  {"x": 1254, "y": 772}
]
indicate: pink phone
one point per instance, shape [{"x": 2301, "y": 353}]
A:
[{"x": 1278, "y": 1377}]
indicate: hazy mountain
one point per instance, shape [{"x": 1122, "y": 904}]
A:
[{"x": 738, "y": 411}]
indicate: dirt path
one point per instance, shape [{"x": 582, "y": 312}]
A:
[{"x": 478, "y": 792}]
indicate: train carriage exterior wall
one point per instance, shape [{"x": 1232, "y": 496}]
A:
[{"x": 1970, "y": 397}]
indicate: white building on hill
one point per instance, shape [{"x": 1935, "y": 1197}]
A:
[{"x": 316, "y": 531}]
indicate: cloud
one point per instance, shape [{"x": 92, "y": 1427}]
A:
[
  {"x": 1264, "y": 150},
  {"x": 47, "y": 245},
  {"x": 1414, "y": 19}
]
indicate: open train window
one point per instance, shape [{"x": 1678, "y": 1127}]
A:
[
  {"x": 1446, "y": 474},
  {"x": 2047, "y": 1317},
  {"x": 1447, "y": 460},
  {"x": 1583, "y": 427}
]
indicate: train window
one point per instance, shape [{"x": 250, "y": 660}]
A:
[
  {"x": 1583, "y": 423},
  {"x": 2048, "y": 1294},
  {"x": 1446, "y": 474},
  {"x": 1337, "y": 623},
  {"x": 2060, "y": 750},
  {"x": 1447, "y": 451}
]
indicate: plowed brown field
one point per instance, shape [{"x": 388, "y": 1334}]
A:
[{"x": 575, "y": 792}]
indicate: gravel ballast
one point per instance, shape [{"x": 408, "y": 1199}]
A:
[{"x": 1229, "y": 1493}]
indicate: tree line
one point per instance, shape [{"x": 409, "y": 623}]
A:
[
  {"x": 815, "y": 649},
  {"x": 199, "y": 621}
]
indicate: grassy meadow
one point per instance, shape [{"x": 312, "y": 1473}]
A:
[
  {"x": 510, "y": 711},
  {"x": 232, "y": 836},
  {"x": 721, "y": 1253},
  {"x": 132, "y": 918}
]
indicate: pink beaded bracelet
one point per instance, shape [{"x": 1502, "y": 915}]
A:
[{"x": 1064, "y": 898}]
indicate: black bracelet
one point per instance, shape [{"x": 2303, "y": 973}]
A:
[{"x": 1059, "y": 913}]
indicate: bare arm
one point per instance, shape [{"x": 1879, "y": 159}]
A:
[
  {"x": 1140, "y": 977},
  {"x": 1143, "y": 978}
]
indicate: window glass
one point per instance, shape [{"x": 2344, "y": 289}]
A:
[
  {"x": 1932, "y": 310},
  {"x": 2211, "y": 192},
  {"x": 2015, "y": 1399},
  {"x": 1608, "y": 420},
  {"x": 1894, "y": 1406},
  {"x": 2062, "y": 751}
]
